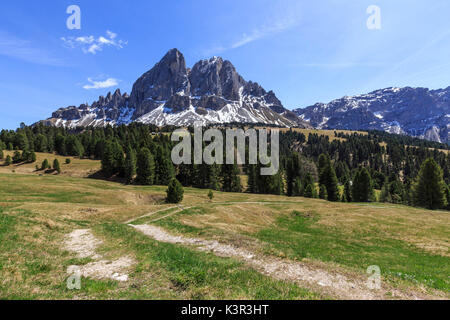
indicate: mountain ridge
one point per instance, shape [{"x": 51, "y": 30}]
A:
[
  {"x": 213, "y": 92},
  {"x": 418, "y": 112},
  {"x": 172, "y": 94}
]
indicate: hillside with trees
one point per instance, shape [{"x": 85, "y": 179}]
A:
[{"x": 348, "y": 168}]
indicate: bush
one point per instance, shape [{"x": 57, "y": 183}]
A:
[
  {"x": 8, "y": 161},
  {"x": 68, "y": 161},
  {"x": 310, "y": 191},
  {"x": 56, "y": 166},
  {"x": 45, "y": 165},
  {"x": 210, "y": 195},
  {"x": 175, "y": 192}
]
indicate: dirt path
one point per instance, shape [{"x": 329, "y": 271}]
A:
[
  {"x": 334, "y": 284},
  {"x": 84, "y": 244}
]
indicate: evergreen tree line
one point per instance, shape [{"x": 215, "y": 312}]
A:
[{"x": 347, "y": 168}]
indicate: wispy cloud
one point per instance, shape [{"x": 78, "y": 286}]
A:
[
  {"x": 258, "y": 33},
  {"x": 264, "y": 31},
  {"x": 343, "y": 65},
  {"x": 91, "y": 44},
  {"x": 110, "y": 82},
  {"x": 25, "y": 50}
]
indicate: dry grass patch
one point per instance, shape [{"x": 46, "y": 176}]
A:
[{"x": 77, "y": 167}]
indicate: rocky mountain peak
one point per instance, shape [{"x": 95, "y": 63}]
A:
[
  {"x": 168, "y": 77},
  {"x": 170, "y": 93},
  {"x": 216, "y": 77}
]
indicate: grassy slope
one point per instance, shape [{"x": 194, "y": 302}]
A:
[
  {"x": 410, "y": 245},
  {"x": 38, "y": 211},
  {"x": 77, "y": 167}
]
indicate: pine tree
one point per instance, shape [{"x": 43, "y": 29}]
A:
[
  {"x": 323, "y": 194},
  {"x": 276, "y": 185},
  {"x": 348, "y": 191},
  {"x": 60, "y": 144},
  {"x": 396, "y": 192},
  {"x": 292, "y": 173},
  {"x": 108, "y": 166},
  {"x": 252, "y": 184},
  {"x": 45, "y": 165},
  {"x": 332, "y": 186},
  {"x": 324, "y": 161},
  {"x": 429, "y": 189},
  {"x": 130, "y": 165},
  {"x": 231, "y": 181},
  {"x": 112, "y": 160},
  {"x": 447, "y": 195},
  {"x": 185, "y": 174},
  {"x": 297, "y": 189},
  {"x": 164, "y": 171},
  {"x": 210, "y": 195},
  {"x": 385, "y": 196},
  {"x": 145, "y": 167},
  {"x": 309, "y": 180},
  {"x": 362, "y": 189},
  {"x": 21, "y": 141},
  {"x": 175, "y": 192},
  {"x": 329, "y": 180},
  {"x": 17, "y": 157},
  {"x": 56, "y": 166},
  {"x": 309, "y": 191},
  {"x": 8, "y": 160},
  {"x": 33, "y": 157}
]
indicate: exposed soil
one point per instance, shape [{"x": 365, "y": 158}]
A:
[
  {"x": 104, "y": 269},
  {"x": 84, "y": 244}
]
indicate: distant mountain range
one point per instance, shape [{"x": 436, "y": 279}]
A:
[
  {"x": 418, "y": 112},
  {"x": 213, "y": 92}
]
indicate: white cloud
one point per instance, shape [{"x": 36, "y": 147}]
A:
[
  {"x": 91, "y": 44},
  {"x": 111, "y": 34},
  {"x": 110, "y": 82}
]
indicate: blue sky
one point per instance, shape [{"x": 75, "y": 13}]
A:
[{"x": 305, "y": 51}]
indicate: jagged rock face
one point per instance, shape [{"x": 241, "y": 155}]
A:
[
  {"x": 110, "y": 109},
  {"x": 165, "y": 79},
  {"x": 171, "y": 94},
  {"x": 216, "y": 77},
  {"x": 418, "y": 112}
]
